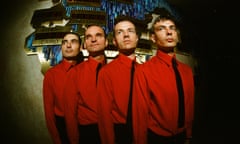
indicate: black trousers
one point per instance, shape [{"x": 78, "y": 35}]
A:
[
  {"x": 89, "y": 134},
  {"x": 61, "y": 126},
  {"x": 122, "y": 134},
  {"x": 153, "y": 138}
]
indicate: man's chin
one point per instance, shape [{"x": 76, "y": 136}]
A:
[
  {"x": 96, "y": 53},
  {"x": 71, "y": 58},
  {"x": 127, "y": 52}
]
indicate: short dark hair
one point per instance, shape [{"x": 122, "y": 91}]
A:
[
  {"x": 164, "y": 14},
  {"x": 80, "y": 56}
]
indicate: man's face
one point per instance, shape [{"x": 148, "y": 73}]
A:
[
  {"x": 125, "y": 36},
  {"x": 95, "y": 40},
  {"x": 70, "y": 46},
  {"x": 165, "y": 35}
]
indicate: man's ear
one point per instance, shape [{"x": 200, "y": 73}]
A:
[
  {"x": 84, "y": 45},
  {"x": 179, "y": 40},
  {"x": 81, "y": 47},
  {"x": 106, "y": 43},
  {"x": 153, "y": 38},
  {"x": 114, "y": 42}
]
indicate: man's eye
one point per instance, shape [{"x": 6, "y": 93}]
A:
[
  {"x": 64, "y": 41},
  {"x": 160, "y": 28},
  {"x": 119, "y": 32},
  {"x": 74, "y": 41},
  {"x": 88, "y": 37},
  {"x": 99, "y": 35},
  {"x": 173, "y": 28},
  {"x": 132, "y": 31}
]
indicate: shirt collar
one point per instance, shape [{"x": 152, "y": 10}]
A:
[
  {"x": 95, "y": 63},
  {"x": 165, "y": 57},
  {"x": 66, "y": 65},
  {"x": 126, "y": 60}
]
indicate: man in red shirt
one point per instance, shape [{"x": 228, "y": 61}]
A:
[
  {"x": 81, "y": 90},
  {"x": 53, "y": 85},
  {"x": 155, "y": 93},
  {"x": 114, "y": 85}
]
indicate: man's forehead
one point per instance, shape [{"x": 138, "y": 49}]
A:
[{"x": 70, "y": 36}]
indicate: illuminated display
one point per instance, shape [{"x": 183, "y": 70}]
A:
[
  {"x": 72, "y": 15},
  {"x": 88, "y": 17},
  {"x": 84, "y": 2}
]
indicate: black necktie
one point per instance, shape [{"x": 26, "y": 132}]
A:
[
  {"x": 97, "y": 70},
  {"x": 129, "y": 114},
  {"x": 181, "y": 114}
]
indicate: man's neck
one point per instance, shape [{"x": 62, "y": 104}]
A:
[{"x": 99, "y": 58}]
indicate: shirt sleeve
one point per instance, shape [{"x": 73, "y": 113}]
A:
[
  {"x": 48, "y": 101},
  {"x": 190, "y": 103},
  {"x": 70, "y": 95},
  {"x": 105, "y": 121},
  {"x": 140, "y": 108}
]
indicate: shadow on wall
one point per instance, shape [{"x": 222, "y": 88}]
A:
[{"x": 22, "y": 117}]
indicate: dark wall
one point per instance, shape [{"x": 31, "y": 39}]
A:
[{"x": 212, "y": 26}]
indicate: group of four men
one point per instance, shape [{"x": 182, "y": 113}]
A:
[{"x": 85, "y": 105}]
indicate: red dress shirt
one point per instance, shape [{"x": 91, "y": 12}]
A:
[
  {"x": 155, "y": 98},
  {"x": 81, "y": 98},
  {"x": 53, "y": 85},
  {"x": 113, "y": 88}
]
